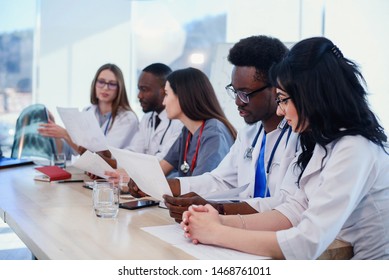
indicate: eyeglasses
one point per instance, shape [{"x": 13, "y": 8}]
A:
[
  {"x": 282, "y": 102},
  {"x": 243, "y": 96},
  {"x": 110, "y": 85}
]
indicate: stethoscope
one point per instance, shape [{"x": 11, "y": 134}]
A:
[
  {"x": 248, "y": 154},
  {"x": 99, "y": 116},
  {"x": 106, "y": 127},
  {"x": 152, "y": 128},
  {"x": 185, "y": 168},
  {"x": 249, "y": 151}
]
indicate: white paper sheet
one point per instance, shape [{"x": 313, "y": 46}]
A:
[
  {"x": 174, "y": 235},
  {"x": 93, "y": 163},
  {"x": 83, "y": 128},
  {"x": 144, "y": 170}
]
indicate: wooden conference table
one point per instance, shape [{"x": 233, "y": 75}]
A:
[{"x": 57, "y": 221}]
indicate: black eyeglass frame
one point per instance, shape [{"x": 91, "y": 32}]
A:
[
  {"x": 243, "y": 96},
  {"x": 281, "y": 102},
  {"x": 110, "y": 85}
]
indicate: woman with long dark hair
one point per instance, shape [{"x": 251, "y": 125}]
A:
[
  {"x": 341, "y": 173},
  {"x": 207, "y": 135}
]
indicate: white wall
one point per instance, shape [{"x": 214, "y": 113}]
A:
[
  {"x": 361, "y": 30},
  {"x": 358, "y": 27},
  {"x": 276, "y": 18},
  {"x": 76, "y": 40}
]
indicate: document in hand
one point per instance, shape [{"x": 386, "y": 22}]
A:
[
  {"x": 144, "y": 170},
  {"x": 93, "y": 163},
  {"x": 83, "y": 128}
]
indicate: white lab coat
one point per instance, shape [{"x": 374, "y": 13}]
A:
[
  {"x": 123, "y": 130},
  {"x": 148, "y": 140},
  {"x": 347, "y": 198},
  {"x": 234, "y": 178}
]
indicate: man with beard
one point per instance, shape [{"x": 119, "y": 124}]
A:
[{"x": 156, "y": 132}]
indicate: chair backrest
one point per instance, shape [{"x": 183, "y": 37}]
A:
[{"x": 27, "y": 141}]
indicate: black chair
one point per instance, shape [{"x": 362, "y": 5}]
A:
[{"x": 28, "y": 143}]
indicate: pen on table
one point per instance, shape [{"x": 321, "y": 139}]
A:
[{"x": 70, "y": 181}]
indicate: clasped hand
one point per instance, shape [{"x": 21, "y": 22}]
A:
[
  {"x": 198, "y": 221},
  {"x": 179, "y": 204}
]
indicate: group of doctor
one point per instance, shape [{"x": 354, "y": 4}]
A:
[
  {"x": 183, "y": 125},
  {"x": 311, "y": 166}
]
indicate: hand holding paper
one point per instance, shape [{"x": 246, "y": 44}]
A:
[
  {"x": 144, "y": 170},
  {"x": 94, "y": 164},
  {"x": 83, "y": 129}
]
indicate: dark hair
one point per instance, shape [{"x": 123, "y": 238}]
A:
[
  {"x": 159, "y": 70},
  {"x": 197, "y": 97},
  {"x": 260, "y": 52},
  {"x": 121, "y": 100},
  {"x": 329, "y": 94}
]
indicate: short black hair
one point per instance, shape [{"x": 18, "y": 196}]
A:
[
  {"x": 260, "y": 52},
  {"x": 158, "y": 69}
]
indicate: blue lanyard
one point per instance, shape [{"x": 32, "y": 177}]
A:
[
  {"x": 249, "y": 150},
  {"x": 106, "y": 127},
  {"x": 100, "y": 116},
  {"x": 276, "y": 145}
]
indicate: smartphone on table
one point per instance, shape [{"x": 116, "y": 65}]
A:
[{"x": 136, "y": 204}]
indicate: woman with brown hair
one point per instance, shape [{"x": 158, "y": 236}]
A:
[
  {"x": 111, "y": 107},
  {"x": 207, "y": 135}
]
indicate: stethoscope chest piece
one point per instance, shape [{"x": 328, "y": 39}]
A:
[
  {"x": 249, "y": 153},
  {"x": 185, "y": 167}
]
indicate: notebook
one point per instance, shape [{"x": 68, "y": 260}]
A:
[
  {"x": 6, "y": 162},
  {"x": 52, "y": 173}
]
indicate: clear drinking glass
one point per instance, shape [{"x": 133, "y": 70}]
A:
[
  {"x": 105, "y": 199},
  {"x": 58, "y": 160},
  {"x": 124, "y": 179}
]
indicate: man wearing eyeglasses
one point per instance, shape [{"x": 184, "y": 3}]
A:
[{"x": 259, "y": 156}]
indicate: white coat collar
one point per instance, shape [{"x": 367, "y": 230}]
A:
[{"x": 317, "y": 161}]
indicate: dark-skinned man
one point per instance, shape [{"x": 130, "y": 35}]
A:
[{"x": 248, "y": 173}]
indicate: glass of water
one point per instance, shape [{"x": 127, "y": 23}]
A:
[
  {"x": 105, "y": 199},
  {"x": 58, "y": 160},
  {"x": 124, "y": 179}
]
